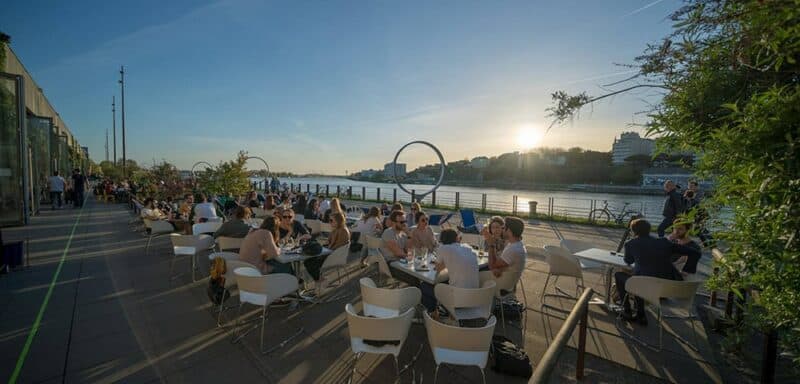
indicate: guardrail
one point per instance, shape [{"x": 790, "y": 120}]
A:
[
  {"x": 482, "y": 202},
  {"x": 579, "y": 313}
]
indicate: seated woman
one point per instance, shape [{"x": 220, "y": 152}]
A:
[
  {"x": 235, "y": 227},
  {"x": 411, "y": 217},
  {"x": 370, "y": 223},
  {"x": 260, "y": 248},
  {"x": 339, "y": 236},
  {"x": 270, "y": 205},
  {"x": 205, "y": 210},
  {"x": 336, "y": 207},
  {"x": 252, "y": 200},
  {"x": 151, "y": 212},
  {"x": 421, "y": 235},
  {"x": 493, "y": 235},
  {"x": 291, "y": 228}
]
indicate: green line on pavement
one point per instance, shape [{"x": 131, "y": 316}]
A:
[{"x": 37, "y": 322}]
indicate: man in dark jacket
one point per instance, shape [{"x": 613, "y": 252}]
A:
[
  {"x": 650, "y": 256},
  {"x": 673, "y": 206}
]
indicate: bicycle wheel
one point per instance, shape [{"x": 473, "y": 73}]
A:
[{"x": 599, "y": 216}]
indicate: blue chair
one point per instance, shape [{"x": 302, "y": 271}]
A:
[{"x": 467, "y": 218}]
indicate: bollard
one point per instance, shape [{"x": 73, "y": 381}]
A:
[
  {"x": 338, "y": 191},
  {"x": 363, "y": 193},
  {"x": 532, "y": 209},
  {"x": 457, "y": 199},
  {"x": 327, "y": 190},
  {"x": 378, "y": 196},
  {"x": 433, "y": 199},
  {"x": 317, "y": 192},
  {"x": 413, "y": 195},
  {"x": 483, "y": 202},
  {"x": 394, "y": 196},
  {"x": 350, "y": 193}
]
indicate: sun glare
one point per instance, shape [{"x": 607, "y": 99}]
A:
[{"x": 529, "y": 137}]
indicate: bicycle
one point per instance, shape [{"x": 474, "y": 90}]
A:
[{"x": 604, "y": 215}]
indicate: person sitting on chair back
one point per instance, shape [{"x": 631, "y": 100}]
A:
[{"x": 650, "y": 256}]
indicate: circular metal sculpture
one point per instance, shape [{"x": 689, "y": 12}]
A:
[
  {"x": 419, "y": 196},
  {"x": 198, "y": 163},
  {"x": 266, "y": 176}
]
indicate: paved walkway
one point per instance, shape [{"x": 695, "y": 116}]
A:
[{"x": 113, "y": 314}]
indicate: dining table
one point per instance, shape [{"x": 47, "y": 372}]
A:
[
  {"x": 611, "y": 260},
  {"x": 424, "y": 268}
]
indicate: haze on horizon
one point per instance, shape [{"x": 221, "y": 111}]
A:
[{"x": 329, "y": 87}]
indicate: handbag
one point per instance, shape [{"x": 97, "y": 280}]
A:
[
  {"x": 509, "y": 359},
  {"x": 312, "y": 248}
]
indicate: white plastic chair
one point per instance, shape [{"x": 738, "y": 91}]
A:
[
  {"x": 562, "y": 263},
  {"x": 225, "y": 243},
  {"x": 506, "y": 289},
  {"x": 336, "y": 260},
  {"x": 262, "y": 291},
  {"x": 314, "y": 225},
  {"x": 670, "y": 295},
  {"x": 466, "y": 303},
  {"x": 228, "y": 256},
  {"x": 188, "y": 245},
  {"x": 575, "y": 246},
  {"x": 206, "y": 228},
  {"x": 259, "y": 212},
  {"x": 230, "y": 277},
  {"x": 392, "y": 329},
  {"x": 157, "y": 228},
  {"x": 375, "y": 256},
  {"x": 381, "y": 302},
  {"x": 459, "y": 346}
]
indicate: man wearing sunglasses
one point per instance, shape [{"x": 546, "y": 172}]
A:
[{"x": 395, "y": 238}]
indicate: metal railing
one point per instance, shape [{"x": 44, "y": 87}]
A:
[
  {"x": 580, "y": 313},
  {"x": 482, "y": 202}
]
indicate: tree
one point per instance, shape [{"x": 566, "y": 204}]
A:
[
  {"x": 227, "y": 178},
  {"x": 730, "y": 80}
]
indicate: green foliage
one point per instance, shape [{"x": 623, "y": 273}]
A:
[
  {"x": 229, "y": 178},
  {"x": 732, "y": 80}
]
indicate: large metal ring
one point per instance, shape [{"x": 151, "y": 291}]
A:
[
  {"x": 198, "y": 163},
  {"x": 419, "y": 196}
]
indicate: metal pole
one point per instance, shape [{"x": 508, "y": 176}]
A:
[
  {"x": 122, "y": 89},
  {"x": 106, "y": 144},
  {"x": 363, "y": 193},
  {"x": 582, "y": 342},
  {"x": 394, "y": 195},
  {"x": 770, "y": 357},
  {"x": 114, "y": 125},
  {"x": 379, "y": 194},
  {"x": 23, "y": 148}
]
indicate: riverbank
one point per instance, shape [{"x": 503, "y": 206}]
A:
[{"x": 506, "y": 185}]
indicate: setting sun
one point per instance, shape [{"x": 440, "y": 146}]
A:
[{"x": 529, "y": 137}]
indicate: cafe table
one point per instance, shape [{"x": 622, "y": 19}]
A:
[
  {"x": 611, "y": 260},
  {"x": 426, "y": 271}
]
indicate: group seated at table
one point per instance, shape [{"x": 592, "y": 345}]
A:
[{"x": 653, "y": 257}]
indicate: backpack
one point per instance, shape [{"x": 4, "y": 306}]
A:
[
  {"x": 216, "y": 284},
  {"x": 507, "y": 358},
  {"x": 512, "y": 307}
]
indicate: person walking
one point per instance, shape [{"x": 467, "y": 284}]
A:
[
  {"x": 673, "y": 206},
  {"x": 56, "y": 185},
  {"x": 79, "y": 186}
]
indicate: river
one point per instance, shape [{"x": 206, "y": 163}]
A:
[{"x": 567, "y": 203}]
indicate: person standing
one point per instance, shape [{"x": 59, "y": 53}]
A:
[
  {"x": 56, "y": 185},
  {"x": 79, "y": 186},
  {"x": 673, "y": 206},
  {"x": 693, "y": 198}
]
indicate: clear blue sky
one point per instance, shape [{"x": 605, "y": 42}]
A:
[{"x": 332, "y": 86}]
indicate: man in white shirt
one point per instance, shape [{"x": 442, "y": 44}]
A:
[
  {"x": 204, "y": 210},
  {"x": 56, "y": 185},
  {"x": 512, "y": 259},
  {"x": 150, "y": 211},
  {"x": 461, "y": 265}
]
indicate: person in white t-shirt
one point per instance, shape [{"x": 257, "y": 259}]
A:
[
  {"x": 460, "y": 262},
  {"x": 151, "y": 212},
  {"x": 204, "y": 210},
  {"x": 512, "y": 259},
  {"x": 56, "y": 184}
]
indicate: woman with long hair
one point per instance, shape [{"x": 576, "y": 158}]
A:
[
  {"x": 339, "y": 237},
  {"x": 260, "y": 248},
  {"x": 312, "y": 210},
  {"x": 370, "y": 223},
  {"x": 421, "y": 235}
]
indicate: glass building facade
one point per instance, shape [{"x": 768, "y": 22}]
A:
[{"x": 11, "y": 170}]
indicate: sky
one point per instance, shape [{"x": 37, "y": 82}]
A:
[{"x": 338, "y": 86}]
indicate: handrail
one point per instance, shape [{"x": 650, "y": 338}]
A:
[{"x": 580, "y": 313}]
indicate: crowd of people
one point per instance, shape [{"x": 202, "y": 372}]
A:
[{"x": 67, "y": 192}]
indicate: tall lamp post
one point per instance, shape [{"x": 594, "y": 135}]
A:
[
  {"x": 122, "y": 89},
  {"x": 114, "y": 125}
]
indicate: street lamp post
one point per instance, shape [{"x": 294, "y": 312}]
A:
[
  {"x": 114, "y": 125},
  {"x": 122, "y": 89}
]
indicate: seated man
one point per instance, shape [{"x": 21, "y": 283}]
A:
[
  {"x": 513, "y": 256},
  {"x": 461, "y": 265},
  {"x": 235, "y": 227},
  {"x": 680, "y": 235},
  {"x": 395, "y": 238},
  {"x": 290, "y": 228},
  {"x": 650, "y": 257}
]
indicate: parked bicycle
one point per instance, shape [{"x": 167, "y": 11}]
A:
[{"x": 604, "y": 215}]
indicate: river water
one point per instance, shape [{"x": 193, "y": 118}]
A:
[{"x": 567, "y": 203}]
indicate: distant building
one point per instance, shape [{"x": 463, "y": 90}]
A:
[
  {"x": 185, "y": 175},
  {"x": 479, "y": 162},
  {"x": 388, "y": 172},
  {"x": 629, "y": 144},
  {"x": 555, "y": 159}
]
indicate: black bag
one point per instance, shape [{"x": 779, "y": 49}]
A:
[
  {"x": 217, "y": 292},
  {"x": 312, "y": 248},
  {"x": 513, "y": 309},
  {"x": 507, "y": 358}
]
